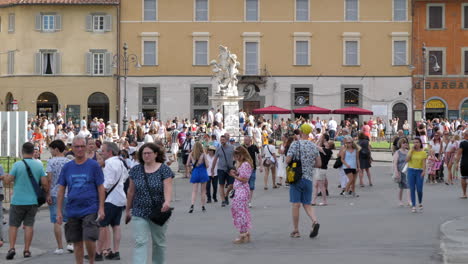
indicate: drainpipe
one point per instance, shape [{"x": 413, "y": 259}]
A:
[{"x": 118, "y": 64}]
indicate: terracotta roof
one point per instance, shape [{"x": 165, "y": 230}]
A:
[{"x": 58, "y": 2}]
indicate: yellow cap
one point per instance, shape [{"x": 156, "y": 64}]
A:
[{"x": 305, "y": 128}]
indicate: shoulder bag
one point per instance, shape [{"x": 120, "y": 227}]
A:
[
  {"x": 229, "y": 167},
  {"x": 294, "y": 169},
  {"x": 338, "y": 163},
  {"x": 156, "y": 216},
  {"x": 40, "y": 193},
  {"x": 267, "y": 162}
]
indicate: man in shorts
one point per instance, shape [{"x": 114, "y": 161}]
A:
[
  {"x": 462, "y": 153},
  {"x": 84, "y": 180},
  {"x": 255, "y": 155},
  {"x": 23, "y": 206},
  {"x": 224, "y": 160},
  {"x": 300, "y": 192},
  {"x": 115, "y": 175}
]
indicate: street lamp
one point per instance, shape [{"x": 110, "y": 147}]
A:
[
  {"x": 436, "y": 68},
  {"x": 125, "y": 58}
]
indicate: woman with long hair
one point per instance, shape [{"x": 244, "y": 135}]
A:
[
  {"x": 269, "y": 162},
  {"x": 450, "y": 151},
  {"x": 437, "y": 146},
  {"x": 350, "y": 158},
  {"x": 240, "y": 209},
  {"x": 199, "y": 176},
  {"x": 416, "y": 169},
  {"x": 399, "y": 161},
  {"x": 365, "y": 159},
  {"x": 422, "y": 134},
  {"x": 281, "y": 170}
]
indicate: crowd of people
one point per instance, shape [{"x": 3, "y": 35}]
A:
[{"x": 97, "y": 176}]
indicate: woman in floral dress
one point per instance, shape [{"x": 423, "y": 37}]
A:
[{"x": 239, "y": 209}]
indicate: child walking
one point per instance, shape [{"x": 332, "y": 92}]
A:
[{"x": 433, "y": 164}]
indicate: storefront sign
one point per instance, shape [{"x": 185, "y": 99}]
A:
[
  {"x": 435, "y": 104},
  {"x": 443, "y": 84}
]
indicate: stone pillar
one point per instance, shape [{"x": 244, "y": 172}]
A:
[{"x": 229, "y": 105}]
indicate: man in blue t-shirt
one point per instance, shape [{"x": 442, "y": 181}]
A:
[
  {"x": 23, "y": 207},
  {"x": 84, "y": 180}
]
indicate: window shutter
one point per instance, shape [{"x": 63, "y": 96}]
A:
[
  {"x": 107, "y": 63},
  {"x": 89, "y": 23},
  {"x": 58, "y": 63},
  {"x": 37, "y": 63},
  {"x": 58, "y": 22},
  {"x": 11, "y": 23},
  {"x": 88, "y": 63},
  {"x": 11, "y": 62},
  {"x": 466, "y": 62},
  {"x": 435, "y": 17},
  {"x": 107, "y": 23},
  {"x": 38, "y": 25}
]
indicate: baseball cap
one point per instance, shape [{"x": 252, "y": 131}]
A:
[{"x": 306, "y": 128}]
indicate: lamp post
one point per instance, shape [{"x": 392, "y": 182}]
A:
[
  {"x": 436, "y": 68},
  {"x": 125, "y": 59}
]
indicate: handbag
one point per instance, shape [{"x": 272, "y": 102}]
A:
[
  {"x": 405, "y": 168},
  {"x": 40, "y": 193},
  {"x": 156, "y": 216},
  {"x": 267, "y": 162},
  {"x": 294, "y": 169},
  {"x": 338, "y": 163}
]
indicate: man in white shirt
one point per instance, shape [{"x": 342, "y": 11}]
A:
[
  {"x": 257, "y": 136},
  {"x": 332, "y": 125},
  {"x": 219, "y": 116},
  {"x": 211, "y": 116},
  {"x": 83, "y": 122},
  {"x": 219, "y": 131},
  {"x": 50, "y": 132},
  {"x": 115, "y": 175}
]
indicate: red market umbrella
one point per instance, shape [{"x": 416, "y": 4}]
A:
[
  {"x": 311, "y": 109},
  {"x": 352, "y": 111},
  {"x": 271, "y": 110}
]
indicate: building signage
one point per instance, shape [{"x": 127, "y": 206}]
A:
[
  {"x": 443, "y": 84},
  {"x": 435, "y": 104}
]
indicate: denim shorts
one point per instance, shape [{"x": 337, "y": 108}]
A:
[
  {"x": 252, "y": 179},
  {"x": 301, "y": 192},
  {"x": 53, "y": 210}
]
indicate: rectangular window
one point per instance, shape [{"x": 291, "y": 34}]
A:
[
  {"x": 48, "y": 63},
  {"x": 98, "y": 63},
  {"x": 465, "y": 16},
  {"x": 465, "y": 55},
  {"x": 251, "y": 10},
  {"x": 149, "y": 96},
  {"x": 149, "y": 53},
  {"x": 48, "y": 22},
  {"x": 201, "y": 10},
  {"x": 98, "y": 23},
  {"x": 435, "y": 16},
  {"x": 201, "y": 52},
  {"x": 301, "y": 96},
  {"x": 352, "y": 56},
  {"x": 399, "y": 52},
  {"x": 351, "y": 97},
  {"x": 11, "y": 23},
  {"x": 351, "y": 10},
  {"x": 251, "y": 58},
  {"x": 399, "y": 10},
  {"x": 200, "y": 96},
  {"x": 302, "y": 52},
  {"x": 11, "y": 62},
  {"x": 302, "y": 10},
  {"x": 149, "y": 12},
  {"x": 435, "y": 56}
]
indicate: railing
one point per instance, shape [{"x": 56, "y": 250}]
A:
[{"x": 7, "y": 164}]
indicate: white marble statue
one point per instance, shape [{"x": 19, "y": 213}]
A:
[{"x": 225, "y": 71}]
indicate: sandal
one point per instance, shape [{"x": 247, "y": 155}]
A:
[
  {"x": 27, "y": 254},
  {"x": 315, "y": 229},
  {"x": 295, "y": 234},
  {"x": 11, "y": 254}
]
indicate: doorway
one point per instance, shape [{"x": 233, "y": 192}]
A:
[
  {"x": 400, "y": 110},
  {"x": 249, "y": 106},
  {"x": 98, "y": 106},
  {"x": 9, "y": 102},
  {"x": 47, "y": 105}
]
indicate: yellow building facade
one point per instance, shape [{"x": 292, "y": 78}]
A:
[
  {"x": 57, "y": 58},
  {"x": 293, "y": 53}
]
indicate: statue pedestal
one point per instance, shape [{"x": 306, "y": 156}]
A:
[{"x": 229, "y": 105}]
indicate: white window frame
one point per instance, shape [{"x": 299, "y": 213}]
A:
[
  {"x": 443, "y": 15},
  {"x": 463, "y": 5},
  {"x": 444, "y": 60},
  {"x": 201, "y": 36},
  {"x": 245, "y": 12},
  {"x": 358, "y": 13},
  {"x": 149, "y": 36},
  {"x": 252, "y": 37},
  {"x": 43, "y": 23},
  {"x": 352, "y": 36},
  {"x": 393, "y": 11},
  {"x": 195, "y": 11},
  {"x": 11, "y": 22},
  {"x": 94, "y": 64},
  {"x": 302, "y": 36},
  {"x": 463, "y": 50},
  {"x": 400, "y": 36},
  {"x": 143, "y": 11},
  {"x": 103, "y": 23},
  {"x": 155, "y": 52},
  {"x": 52, "y": 63},
  {"x": 295, "y": 11}
]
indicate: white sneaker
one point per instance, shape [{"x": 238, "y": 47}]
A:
[
  {"x": 58, "y": 251},
  {"x": 250, "y": 205},
  {"x": 70, "y": 248}
]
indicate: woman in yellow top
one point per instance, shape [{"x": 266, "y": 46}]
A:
[
  {"x": 416, "y": 169},
  {"x": 264, "y": 135}
]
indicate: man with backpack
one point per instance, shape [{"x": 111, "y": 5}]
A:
[{"x": 28, "y": 176}]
